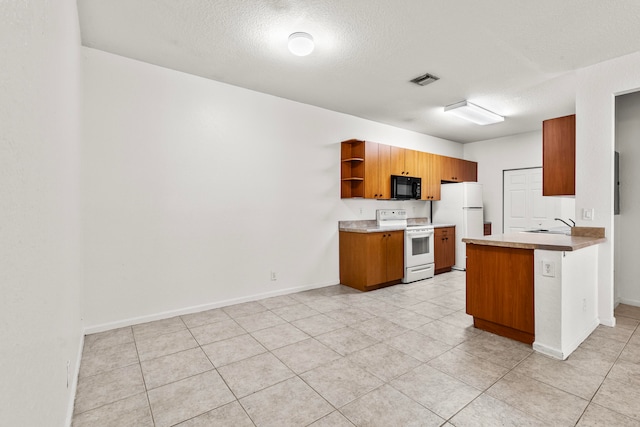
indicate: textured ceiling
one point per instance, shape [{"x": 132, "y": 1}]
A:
[{"x": 516, "y": 58}]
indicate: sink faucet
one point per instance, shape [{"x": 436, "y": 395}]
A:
[{"x": 566, "y": 223}]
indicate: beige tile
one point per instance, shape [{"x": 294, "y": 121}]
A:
[
  {"x": 333, "y": 290},
  {"x": 244, "y": 309},
  {"x": 377, "y": 307},
  {"x": 379, "y": 328},
  {"x": 158, "y": 327},
  {"x": 255, "y": 373},
  {"x": 131, "y": 411},
  {"x": 608, "y": 347},
  {"x": 590, "y": 361},
  {"x": 455, "y": 300},
  {"x": 627, "y": 311},
  {"x": 346, "y": 340},
  {"x": 317, "y": 325},
  {"x": 543, "y": 401},
  {"x": 205, "y": 317},
  {"x": 558, "y": 374},
  {"x": 277, "y": 302},
  {"x": 334, "y": 419},
  {"x": 617, "y": 333},
  {"x": 107, "y": 339},
  {"x": 626, "y": 372},
  {"x": 289, "y": 403},
  {"x": 102, "y": 389},
  {"x": 627, "y": 323},
  {"x": 218, "y": 331},
  {"x": 437, "y": 391},
  {"x": 619, "y": 397},
  {"x": 631, "y": 353},
  {"x": 383, "y": 361},
  {"x": 350, "y": 315},
  {"x": 431, "y": 310},
  {"x": 635, "y": 338},
  {"x": 295, "y": 312},
  {"x": 257, "y": 321},
  {"x": 341, "y": 381},
  {"x": 231, "y": 414},
  {"x": 108, "y": 358},
  {"x": 386, "y": 406},
  {"x": 498, "y": 350},
  {"x": 459, "y": 318},
  {"x": 487, "y": 411},
  {"x": 185, "y": 399},
  {"x": 418, "y": 346},
  {"x": 400, "y": 300},
  {"x": 324, "y": 304},
  {"x": 233, "y": 350},
  {"x": 475, "y": 371},
  {"x": 167, "y": 369},
  {"x": 305, "y": 355},
  {"x": 447, "y": 333},
  {"x": 161, "y": 345},
  {"x": 597, "y": 416},
  {"x": 406, "y": 318},
  {"x": 279, "y": 336}
]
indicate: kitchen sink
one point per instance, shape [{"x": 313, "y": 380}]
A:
[{"x": 550, "y": 231}]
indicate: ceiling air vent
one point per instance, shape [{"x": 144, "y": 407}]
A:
[{"x": 424, "y": 79}]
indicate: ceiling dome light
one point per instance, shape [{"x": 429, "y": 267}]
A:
[{"x": 301, "y": 44}]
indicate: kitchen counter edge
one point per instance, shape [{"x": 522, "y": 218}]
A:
[{"x": 549, "y": 242}]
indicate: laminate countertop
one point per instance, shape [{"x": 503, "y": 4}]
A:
[{"x": 545, "y": 241}]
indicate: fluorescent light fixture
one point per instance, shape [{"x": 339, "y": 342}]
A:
[
  {"x": 301, "y": 44},
  {"x": 473, "y": 113}
]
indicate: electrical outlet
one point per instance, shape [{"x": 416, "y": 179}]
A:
[
  {"x": 360, "y": 211},
  {"x": 584, "y": 305},
  {"x": 548, "y": 269},
  {"x": 587, "y": 214},
  {"x": 273, "y": 276}
]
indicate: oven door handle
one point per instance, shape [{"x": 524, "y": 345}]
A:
[{"x": 419, "y": 235}]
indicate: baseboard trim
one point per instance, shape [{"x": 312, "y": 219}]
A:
[
  {"x": 197, "y": 308},
  {"x": 74, "y": 384}
]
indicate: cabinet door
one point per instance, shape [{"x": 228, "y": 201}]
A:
[
  {"x": 377, "y": 179},
  {"x": 439, "y": 248},
  {"x": 411, "y": 163},
  {"x": 500, "y": 287},
  {"x": 469, "y": 171},
  {"x": 376, "y": 262},
  {"x": 559, "y": 156},
  {"x": 449, "y": 169},
  {"x": 433, "y": 176},
  {"x": 395, "y": 255},
  {"x": 397, "y": 161},
  {"x": 450, "y": 243}
]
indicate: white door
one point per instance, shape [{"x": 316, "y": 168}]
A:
[{"x": 524, "y": 206}]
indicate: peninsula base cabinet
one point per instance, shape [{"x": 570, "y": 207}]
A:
[
  {"x": 500, "y": 291},
  {"x": 444, "y": 249},
  {"x": 371, "y": 260}
]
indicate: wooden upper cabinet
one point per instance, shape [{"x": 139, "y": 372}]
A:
[
  {"x": 429, "y": 166},
  {"x": 366, "y": 169},
  {"x": 404, "y": 162},
  {"x": 458, "y": 170},
  {"x": 559, "y": 156},
  {"x": 377, "y": 175}
]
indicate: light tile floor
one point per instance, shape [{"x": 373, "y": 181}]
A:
[{"x": 402, "y": 355}]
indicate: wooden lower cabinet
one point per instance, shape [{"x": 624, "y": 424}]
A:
[
  {"x": 500, "y": 291},
  {"x": 371, "y": 260},
  {"x": 444, "y": 248}
]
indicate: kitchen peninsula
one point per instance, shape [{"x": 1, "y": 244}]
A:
[{"x": 537, "y": 288}]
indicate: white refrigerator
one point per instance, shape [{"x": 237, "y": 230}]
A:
[{"x": 460, "y": 204}]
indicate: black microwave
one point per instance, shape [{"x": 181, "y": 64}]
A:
[{"x": 406, "y": 187}]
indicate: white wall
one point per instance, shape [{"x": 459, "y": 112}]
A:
[
  {"x": 496, "y": 155},
  {"x": 595, "y": 142},
  {"x": 627, "y": 227},
  {"x": 194, "y": 191},
  {"x": 40, "y": 325}
]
